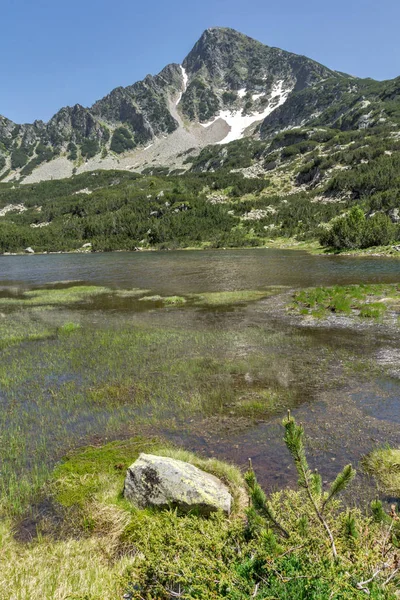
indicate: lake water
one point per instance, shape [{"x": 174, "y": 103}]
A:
[
  {"x": 198, "y": 271},
  {"x": 325, "y": 369}
]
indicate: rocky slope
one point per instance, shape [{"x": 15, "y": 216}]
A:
[{"x": 229, "y": 86}]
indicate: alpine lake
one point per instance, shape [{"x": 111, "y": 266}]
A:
[{"x": 200, "y": 348}]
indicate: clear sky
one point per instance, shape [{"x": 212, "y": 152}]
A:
[{"x": 56, "y": 53}]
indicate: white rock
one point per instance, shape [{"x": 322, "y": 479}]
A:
[{"x": 164, "y": 482}]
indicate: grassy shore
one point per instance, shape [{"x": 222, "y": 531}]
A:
[{"x": 83, "y": 540}]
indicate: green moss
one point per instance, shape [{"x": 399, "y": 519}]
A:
[{"x": 101, "y": 470}]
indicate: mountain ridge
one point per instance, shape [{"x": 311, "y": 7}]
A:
[{"x": 228, "y": 86}]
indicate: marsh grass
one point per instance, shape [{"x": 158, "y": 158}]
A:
[
  {"x": 165, "y": 300},
  {"x": 366, "y": 301},
  {"x": 64, "y": 381},
  {"x": 58, "y": 296},
  {"x": 233, "y": 297},
  {"x": 384, "y": 465}
]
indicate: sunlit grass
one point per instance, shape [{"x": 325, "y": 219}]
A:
[
  {"x": 384, "y": 465},
  {"x": 233, "y": 297},
  {"x": 366, "y": 301}
]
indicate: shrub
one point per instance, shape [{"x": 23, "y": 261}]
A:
[
  {"x": 89, "y": 148},
  {"x": 121, "y": 140},
  {"x": 19, "y": 158}
]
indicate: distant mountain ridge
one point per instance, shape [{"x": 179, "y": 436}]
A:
[{"x": 229, "y": 86}]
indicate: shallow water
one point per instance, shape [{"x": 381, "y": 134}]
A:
[
  {"x": 184, "y": 272},
  {"x": 325, "y": 373}
]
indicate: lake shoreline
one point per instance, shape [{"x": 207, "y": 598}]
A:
[{"x": 311, "y": 247}]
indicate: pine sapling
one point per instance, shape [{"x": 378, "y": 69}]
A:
[{"x": 311, "y": 482}]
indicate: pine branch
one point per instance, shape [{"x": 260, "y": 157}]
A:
[
  {"x": 341, "y": 482},
  {"x": 260, "y": 502}
]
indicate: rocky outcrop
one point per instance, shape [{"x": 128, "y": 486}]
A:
[
  {"x": 228, "y": 81},
  {"x": 164, "y": 482}
]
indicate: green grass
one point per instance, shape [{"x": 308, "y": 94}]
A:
[
  {"x": 64, "y": 380},
  {"x": 366, "y": 301},
  {"x": 98, "y": 546},
  {"x": 68, "y": 328},
  {"x": 384, "y": 465},
  {"x": 91, "y": 472},
  {"x": 54, "y": 297},
  {"x": 83, "y": 380},
  {"x": 233, "y": 297}
]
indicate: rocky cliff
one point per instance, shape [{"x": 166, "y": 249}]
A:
[{"x": 229, "y": 86}]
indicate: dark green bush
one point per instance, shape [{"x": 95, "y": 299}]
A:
[{"x": 121, "y": 140}]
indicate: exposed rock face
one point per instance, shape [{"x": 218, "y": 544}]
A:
[
  {"x": 143, "y": 106},
  {"x": 165, "y": 482},
  {"x": 229, "y": 83}
]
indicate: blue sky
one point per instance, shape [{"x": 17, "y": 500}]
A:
[{"x": 62, "y": 53}]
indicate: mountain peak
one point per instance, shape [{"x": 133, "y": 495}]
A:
[{"x": 228, "y": 79}]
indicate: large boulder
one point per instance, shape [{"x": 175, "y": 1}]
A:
[{"x": 164, "y": 482}]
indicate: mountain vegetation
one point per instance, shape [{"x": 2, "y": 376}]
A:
[{"x": 322, "y": 165}]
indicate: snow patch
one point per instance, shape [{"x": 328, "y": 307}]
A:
[
  {"x": 185, "y": 84},
  {"x": 258, "y": 96},
  {"x": 242, "y": 93},
  {"x": 238, "y": 122}
]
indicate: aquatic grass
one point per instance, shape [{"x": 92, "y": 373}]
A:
[
  {"x": 117, "y": 375},
  {"x": 366, "y": 301},
  {"x": 132, "y": 293},
  {"x": 107, "y": 380},
  {"x": 57, "y": 296},
  {"x": 68, "y": 328},
  {"x": 261, "y": 403},
  {"x": 373, "y": 310},
  {"x": 67, "y": 295},
  {"x": 165, "y": 300},
  {"x": 232, "y": 297}
]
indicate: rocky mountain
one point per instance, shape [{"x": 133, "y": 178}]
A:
[{"x": 228, "y": 87}]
